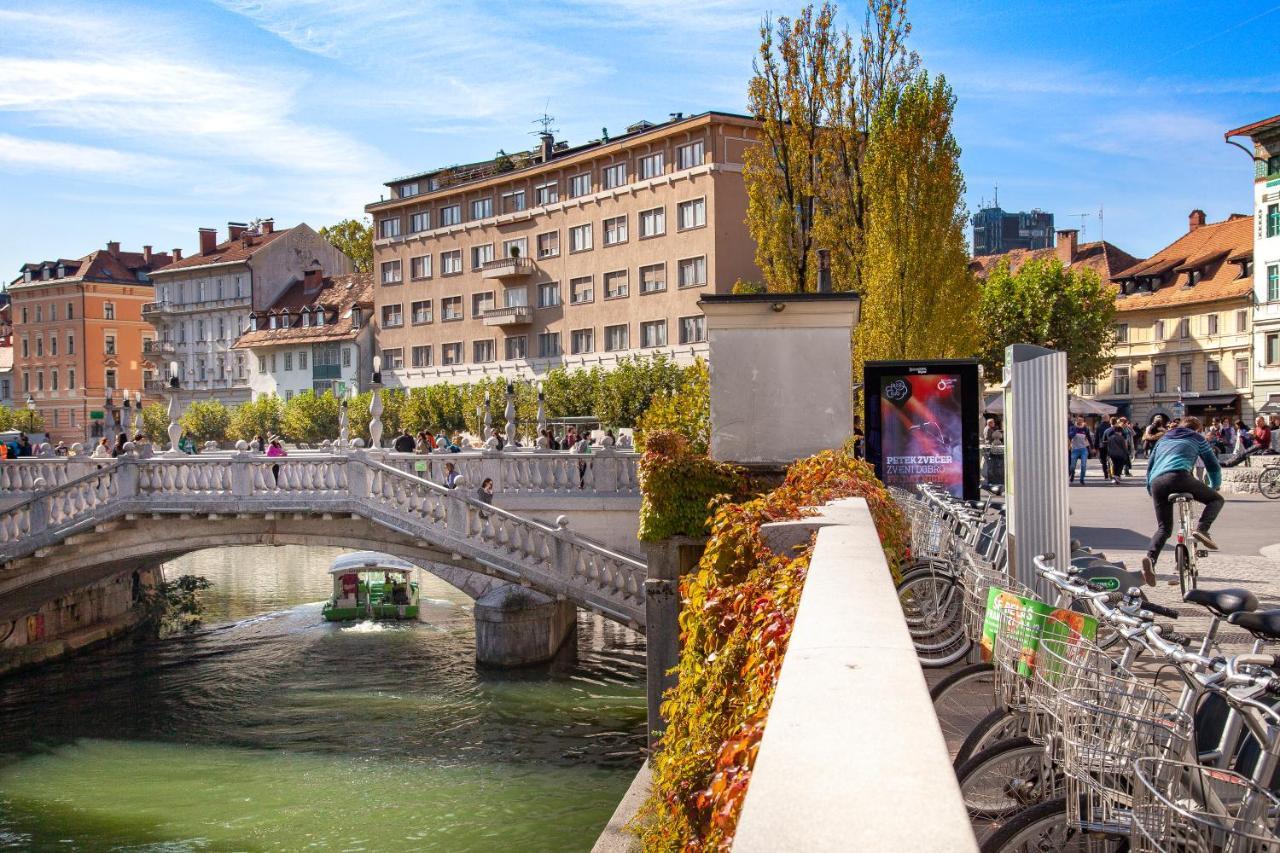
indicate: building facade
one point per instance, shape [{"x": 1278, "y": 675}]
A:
[
  {"x": 1184, "y": 327},
  {"x": 203, "y": 302},
  {"x": 996, "y": 231},
  {"x": 1106, "y": 259},
  {"x": 6, "y": 352},
  {"x": 80, "y": 340},
  {"x": 562, "y": 256},
  {"x": 1264, "y": 137},
  {"x": 318, "y": 336}
]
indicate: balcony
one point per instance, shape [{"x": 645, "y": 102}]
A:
[
  {"x": 155, "y": 309},
  {"x": 508, "y": 268},
  {"x": 155, "y": 386},
  {"x": 158, "y": 348},
  {"x": 514, "y": 315}
]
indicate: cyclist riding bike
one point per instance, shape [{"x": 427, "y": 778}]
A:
[{"x": 1172, "y": 471}]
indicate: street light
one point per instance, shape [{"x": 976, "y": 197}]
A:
[{"x": 175, "y": 431}]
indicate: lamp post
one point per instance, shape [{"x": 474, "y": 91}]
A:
[
  {"x": 126, "y": 414},
  {"x": 175, "y": 431},
  {"x": 509, "y": 413},
  {"x": 375, "y": 405},
  {"x": 31, "y": 411}
]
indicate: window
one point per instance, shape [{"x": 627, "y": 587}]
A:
[
  {"x": 615, "y": 176},
  {"x": 420, "y": 356},
  {"x": 392, "y": 316},
  {"x": 1273, "y": 349},
  {"x": 1242, "y": 321},
  {"x": 653, "y": 223},
  {"x": 688, "y": 156},
  {"x": 451, "y": 308},
  {"x": 40, "y": 346},
  {"x": 546, "y": 193},
  {"x": 1273, "y": 165},
  {"x": 288, "y": 361},
  {"x": 389, "y": 227},
  {"x": 391, "y": 272},
  {"x": 580, "y": 185},
  {"x": 1184, "y": 376},
  {"x": 515, "y": 248},
  {"x": 652, "y": 166},
  {"x": 693, "y": 272},
  {"x": 451, "y": 353},
  {"x": 451, "y": 262},
  {"x": 420, "y": 221},
  {"x": 108, "y": 311},
  {"x": 580, "y": 238},
  {"x": 1184, "y": 328},
  {"x": 1273, "y": 220},
  {"x": 693, "y": 329},
  {"x": 481, "y": 303},
  {"x": 617, "y": 338},
  {"x": 1120, "y": 381},
  {"x": 1089, "y": 387},
  {"x": 482, "y": 351},
  {"x": 1157, "y": 332},
  {"x": 515, "y": 297},
  {"x": 1212, "y": 376},
  {"x": 262, "y": 364},
  {"x": 1213, "y": 324},
  {"x": 110, "y": 379},
  {"x": 53, "y": 312},
  {"x": 408, "y": 190},
  {"x": 1242, "y": 372},
  {"x": 393, "y": 359},
  {"x": 273, "y": 362},
  {"x": 516, "y": 347},
  {"x": 549, "y": 345},
  {"x": 653, "y": 333},
  {"x": 691, "y": 214},
  {"x": 451, "y": 215},
  {"x": 582, "y": 341},
  {"x": 616, "y": 284},
  {"x": 581, "y": 290},
  {"x": 53, "y": 379},
  {"x": 26, "y": 348},
  {"x": 615, "y": 230},
  {"x": 1159, "y": 379},
  {"x": 108, "y": 345},
  {"x": 40, "y": 314},
  {"x": 53, "y": 344},
  {"x": 421, "y": 312},
  {"x": 1122, "y": 332},
  {"x": 1273, "y": 282},
  {"x": 420, "y": 267},
  {"x": 653, "y": 278},
  {"x": 302, "y": 359},
  {"x": 288, "y": 395},
  {"x": 71, "y": 344},
  {"x": 482, "y": 208},
  {"x": 481, "y": 255},
  {"x": 549, "y": 294},
  {"x": 548, "y": 244},
  {"x": 513, "y": 202}
]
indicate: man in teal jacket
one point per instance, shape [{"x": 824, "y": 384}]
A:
[{"x": 1169, "y": 472}]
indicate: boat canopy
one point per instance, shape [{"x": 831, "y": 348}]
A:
[{"x": 370, "y": 561}]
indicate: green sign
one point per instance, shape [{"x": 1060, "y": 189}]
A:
[
  {"x": 1029, "y": 623},
  {"x": 420, "y": 467},
  {"x": 95, "y": 415}
]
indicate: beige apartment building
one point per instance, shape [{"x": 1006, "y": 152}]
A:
[{"x": 572, "y": 256}]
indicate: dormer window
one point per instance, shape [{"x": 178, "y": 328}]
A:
[
  {"x": 274, "y": 321},
  {"x": 408, "y": 190},
  {"x": 1193, "y": 277},
  {"x": 26, "y": 276},
  {"x": 62, "y": 271},
  {"x": 1246, "y": 268}
]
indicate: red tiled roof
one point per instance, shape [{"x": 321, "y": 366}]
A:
[
  {"x": 229, "y": 251},
  {"x": 100, "y": 265},
  {"x": 340, "y": 293},
  {"x": 1100, "y": 256},
  {"x": 1211, "y": 248},
  {"x": 1250, "y": 129}
]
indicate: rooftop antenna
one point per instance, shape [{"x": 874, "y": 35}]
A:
[
  {"x": 996, "y": 201},
  {"x": 1083, "y": 224},
  {"x": 546, "y": 121},
  {"x": 1102, "y": 234}
]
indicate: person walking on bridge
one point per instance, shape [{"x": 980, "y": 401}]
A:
[{"x": 1173, "y": 461}]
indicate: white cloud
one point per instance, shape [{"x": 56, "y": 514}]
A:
[{"x": 23, "y": 153}]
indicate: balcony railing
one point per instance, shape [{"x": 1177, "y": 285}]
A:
[
  {"x": 157, "y": 347},
  {"x": 514, "y": 315},
  {"x": 513, "y": 267},
  {"x": 154, "y": 308}
]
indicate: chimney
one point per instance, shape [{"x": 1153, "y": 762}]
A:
[
  {"x": 548, "y": 146},
  {"x": 208, "y": 240},
  {"x": 1195, "y": 220},
  {"x": 268, "y": 226},
  {"x": 1068, "y": 242},
  {"x": 312, "y": 280},
  {"x": 236, "y": 229},
  {"x": 176, "y": 254},
  {"x": 113, "y": 248},
  {"x": 146, "y": 254}
]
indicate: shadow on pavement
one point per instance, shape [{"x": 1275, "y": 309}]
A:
[{"x": 1111, "y": 537}]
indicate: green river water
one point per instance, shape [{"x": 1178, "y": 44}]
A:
[{"x": 270, "y": 729}]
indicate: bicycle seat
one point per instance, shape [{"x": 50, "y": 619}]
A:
[
  {"x": 1260, "y": 623},
  {"x": 1181, "y": 496},
  {"x": 1223, "y": 602}
]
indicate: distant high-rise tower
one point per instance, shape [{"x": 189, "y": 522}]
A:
[{"x": 996, "y": 231}]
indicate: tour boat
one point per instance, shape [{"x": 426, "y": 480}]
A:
[{"x": 369, "y": 585}]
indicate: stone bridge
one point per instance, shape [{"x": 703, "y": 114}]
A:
[{"x": 79, "y": 521}]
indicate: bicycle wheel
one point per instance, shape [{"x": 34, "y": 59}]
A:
[
  {"x": 1044, "y": 827},
  {"x": 1182, "y": 562},
  {"x": 962, "y": 700},
  {"x": 926, "y": 594},
  {"x": 1008, "y": 777},
  {"x": 1269, "y": 482},
  {"x": 1001, "y": 724}
]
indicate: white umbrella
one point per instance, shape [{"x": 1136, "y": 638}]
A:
[{"x": 1081, "y": 406}]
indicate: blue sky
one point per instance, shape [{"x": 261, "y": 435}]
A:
[{"x": 140, "y": 122}]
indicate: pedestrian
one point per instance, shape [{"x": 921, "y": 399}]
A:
[
  {"x": 404, "y": 442},
  {"x": 583, "y": 447},
  {"x": 1172, "y": 461},
  {"x": 991, "y": 433},
  {"x": 1115, "y": 447},
  {"x": 451, "y": 475},
  {"x": 1261, "y": 433},
  {"x": 624, "y": 442},
  {"x": 610, "y": 440},
  {"x": 117, "y": 449},
  {"x": 275, "y": 450},
  {"x": 570, "y": 439},
  {"x": 24, "y": 444},
  {"x": 1153, "y": 433},
  {"x": 1273, "y": 424},
  {"x": 103, "y": 450},
  {"x": 258, "y": 444},
  {"x": 485, "y": 493},
  {"x": 1079, "y": 442}
]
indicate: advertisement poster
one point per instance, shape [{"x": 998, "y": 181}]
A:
[
  {"x": 1033, "y": 624},
  {"x": 922, "y": 424}
]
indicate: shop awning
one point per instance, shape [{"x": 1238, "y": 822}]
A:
[
  {"x": 1216, "y": 401},
  {"x": 1272, "y": 406}
]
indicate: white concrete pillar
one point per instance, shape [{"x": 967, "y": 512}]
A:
[{"x": 518, "y": 627}]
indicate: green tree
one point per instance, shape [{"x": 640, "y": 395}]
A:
[
  {"x": 1047, "y": 304},
  {"x": 155, "y": 422},
  {"x": 686, "y": 410},
  {"x": 625, "y": 392},
  {"x": 27, "y": 421},
  {"x": 262, "y": 416},
  {"x": 206, "y": 420},
  {"x": 918, "y": 295},
  {"x": 355, "y": 238},
  {"x": 310, "y": 418},
  {"x": 6, "y": 419}
]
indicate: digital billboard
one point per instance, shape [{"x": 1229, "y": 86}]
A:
[{"x": 922, "y": 423}]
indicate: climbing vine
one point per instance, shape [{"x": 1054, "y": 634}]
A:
[
  {"x": 738, "y": 611},
  {"x": 677, "y": 486}
]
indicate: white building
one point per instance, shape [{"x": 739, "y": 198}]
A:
[
  {"x": 1265, "y": 138},
  {"x": 203, "y": 302},
  {"x": 317, "y": 336}
]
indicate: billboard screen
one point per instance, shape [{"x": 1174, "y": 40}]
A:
[{"x": 922, "y": 424}]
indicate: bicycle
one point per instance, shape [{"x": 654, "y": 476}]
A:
[
  {"x": 1269, "y": 482},
  {"x": 1185, "y": 549}
]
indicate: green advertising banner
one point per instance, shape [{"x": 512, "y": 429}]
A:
[{"x": 1031, "y": 623}]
